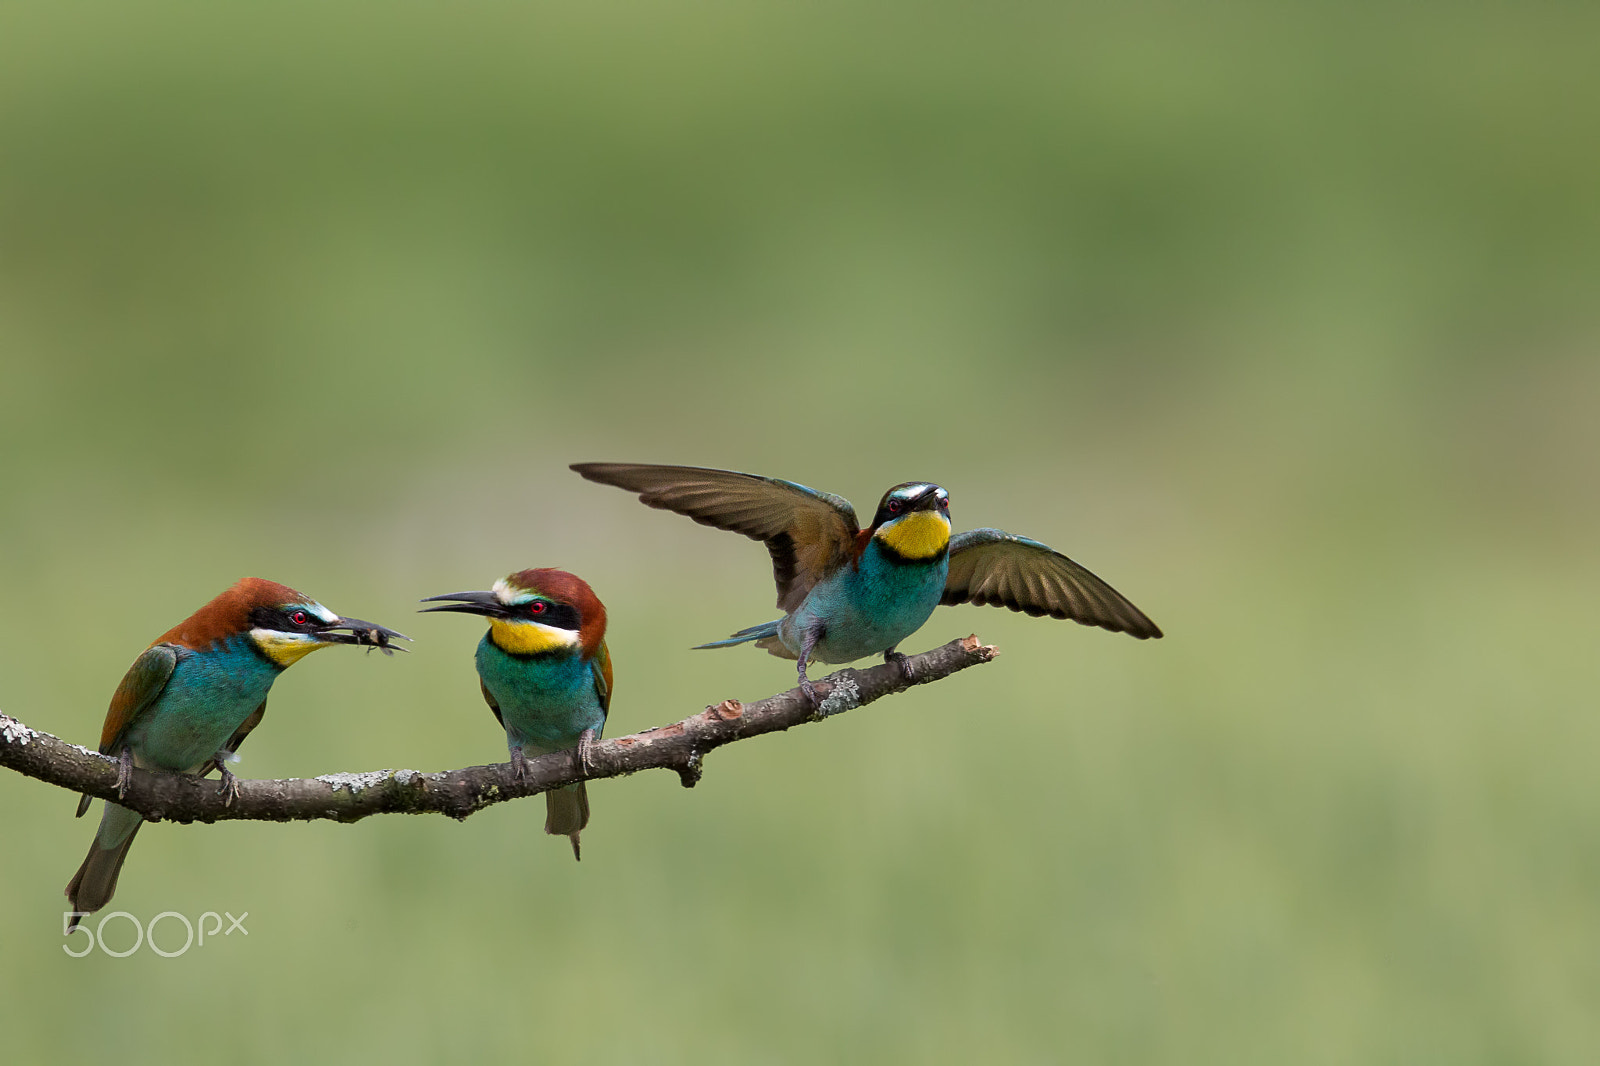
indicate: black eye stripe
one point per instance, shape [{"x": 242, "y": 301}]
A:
[
  {"x": 558, "y": 615},
  {"x": 282, "y": 619}
]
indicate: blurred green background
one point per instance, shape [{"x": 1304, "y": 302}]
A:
[{"x": 1282, "y": 318}]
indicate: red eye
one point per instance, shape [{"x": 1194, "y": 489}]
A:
[
  {"x": 945, "y": 503},
  {"x": 536, "y": 607},
  {"x": 894, "y": 506},
  {"x": 298, "y": 618}
]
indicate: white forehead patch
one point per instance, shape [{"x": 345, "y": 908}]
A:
[
  {"x": 321, "y": 612},
  {"x": 917, "y": 491},
  {"x": 510, "y": 595}
]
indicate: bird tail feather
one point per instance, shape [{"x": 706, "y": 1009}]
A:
[
  {"x": 760, "y": 632},
  {"x": 96, "y": 880},
  {"x": 566, "y": 813}
]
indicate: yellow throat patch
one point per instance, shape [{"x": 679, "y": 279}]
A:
[
  {"x": 918, "y": 536},
  {"x": 283, "y": 650},
  {"x": 529, "y": 638}
]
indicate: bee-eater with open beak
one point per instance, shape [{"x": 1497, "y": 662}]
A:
[
  {"x": 849, "y": 592},
  {"x": 189, "y": 701},
  {"x": 545, "y": 673}
]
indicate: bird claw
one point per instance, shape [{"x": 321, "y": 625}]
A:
[
  {"x": 810, "y": 692},
  {"x": 228, "y": 787},
  {"x": 124, "y": 772},
  {"x": 585, "y": 752},
  {"x": 519, "y": 766},
  {"x": 904, "y": 662}
]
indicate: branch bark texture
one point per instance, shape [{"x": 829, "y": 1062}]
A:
[{"x": 348, "y": 797}]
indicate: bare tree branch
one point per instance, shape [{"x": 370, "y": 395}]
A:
[{"x": 345, "y": 797}]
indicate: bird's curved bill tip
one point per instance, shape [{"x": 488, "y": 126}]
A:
[{"x": 364, "y": 634}]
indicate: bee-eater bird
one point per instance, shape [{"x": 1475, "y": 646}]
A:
[
  {"x": 849, "y": 592},
  {"x": 189, "y": 701},
  {"x": 545, "y": 673}
]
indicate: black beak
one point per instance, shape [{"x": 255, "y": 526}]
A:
[
  {"x": 484, "y": 603},
  {"x": 370, "y": 634},
  {"x": 928, "y": 501}
]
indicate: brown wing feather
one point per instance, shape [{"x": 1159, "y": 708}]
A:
[
  {"x": 493, "y": 706},
  {"x": 992, "y": 567},
  {"x": 808, "y": 533},
  {"x": 602, "y": 677},
  {"x": 138, "y": 689}
]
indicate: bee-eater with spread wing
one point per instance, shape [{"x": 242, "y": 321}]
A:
[
  {"x": 189, "y": 701},
  {"x": 545, "y": 673},
  {"x": 849, "y": 592}
]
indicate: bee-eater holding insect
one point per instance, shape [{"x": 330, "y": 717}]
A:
[
  {"x": 545, "y": 673},
  {"x": 189, "y": 701},
  {"x": 849, "y": 592}
]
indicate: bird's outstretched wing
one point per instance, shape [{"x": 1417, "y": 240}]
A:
[
  {"x": 139, "y": 688},
  {"x": 996, "y": 568},
  {"x": 808, "y": 533}
]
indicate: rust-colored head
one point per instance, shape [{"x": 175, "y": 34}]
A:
[
  {"x": 536, "y": 611},
  {"x": 229, "y": 614},
  {"x": 563, "y": 588},
  {"x": 285, "y": 624}
]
